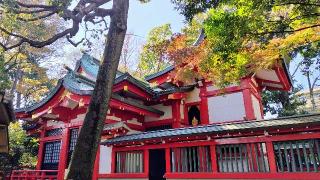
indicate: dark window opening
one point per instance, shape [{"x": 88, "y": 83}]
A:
[
  {"x": 72, "y": 143},
  {"x": 155, "y": 128},
  {"x": 157, "y": 164},
  {"x": 194, "y": 115},
  {"x": 51, "y": 155}
]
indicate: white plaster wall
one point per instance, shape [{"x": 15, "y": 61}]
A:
[
  {"x": 105, "y": 159},
  {"x": 227, "y": 107},
  {"x": 167, "y": 113},
  {"x": 193, "y": 96},
  {"x": 256, "y": 107}
]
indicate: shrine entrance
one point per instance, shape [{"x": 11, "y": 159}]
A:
[{"x": 157, "y": 164}]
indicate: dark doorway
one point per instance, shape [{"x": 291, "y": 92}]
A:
[
  {"x": 157, "y": 164},
  {"x": 194, "y": 115}
]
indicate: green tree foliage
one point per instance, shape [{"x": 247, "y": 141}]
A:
[
  {"x": 21, "y": 71},
  {"x": 255, "y": 34},
  {"x": 23, "y": 150},
  {"x": 282, "y": 103},
  {"x": 153, "y": 57}
]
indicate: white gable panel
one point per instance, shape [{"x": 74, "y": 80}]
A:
[
  {"x": 105, "y": 160},
  {"x": 226, "y": 108},
  {"x": 270, "y": 75}
]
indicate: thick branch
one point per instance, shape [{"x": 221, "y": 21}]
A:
[
  {"x": 38, "y": 17},
  {"x": 37, "y": 44},
  {"x": 99, "y": 12},
  {"x": 35, "y": 5},
  {"x": 289, "y": 31}
]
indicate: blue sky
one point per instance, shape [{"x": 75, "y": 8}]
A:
[{"x": 143, "y": 17}]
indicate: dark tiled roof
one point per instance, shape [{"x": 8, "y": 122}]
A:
[
  {"x": 293, "y": 121},
  {"x": 82, "y": 85},
  {"x": 151, "y": 76},
  {"x": 140, "y": 84}
]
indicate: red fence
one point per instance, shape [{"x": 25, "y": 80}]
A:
[{"x": 34, "y": 175}]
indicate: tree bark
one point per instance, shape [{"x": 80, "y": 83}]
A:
[
  {"x": 313, "y": 104},
  {"x": 82, "y": 162}
]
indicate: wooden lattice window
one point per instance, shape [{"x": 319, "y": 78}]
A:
[
  {"x": 297, "y": 156},
  {"x": 54, "y": 132},
  {"x": 251, "y": 157},
  {"x": 191, "y": 159},
  {"x": 72, "y": 143},
  {"x": 129, "y": 162},
  {"x": 51, "y": 155}
]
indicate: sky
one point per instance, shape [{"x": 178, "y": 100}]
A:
[{"x": 143, "y": 17}]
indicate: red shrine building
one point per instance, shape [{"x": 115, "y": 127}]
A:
[{"x": 168, "y": 132}]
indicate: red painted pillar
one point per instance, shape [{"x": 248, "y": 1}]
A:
[
  {"x": 41, "y": 149},
  {"x": 248, "y": 104},
  {"x": 168, "y": 160},
  {"x": 176, "y": 114},
  {"x": 271, "y": 157},
  {"x": 204, "y": 110},
  {"x": 64, "y": 153},
  {"x": 214, "y": 162},
  {"x": 96, "y": 165},
  {"x": 113, "y": 161},
  {"x": 146, "y": 161}
]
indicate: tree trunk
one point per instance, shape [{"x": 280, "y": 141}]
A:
[
  {"x": 313, "y": 104},
  {"x": 82, "y": 162}
]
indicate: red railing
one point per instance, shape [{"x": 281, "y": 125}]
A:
[{"x": 34, "y": 175}]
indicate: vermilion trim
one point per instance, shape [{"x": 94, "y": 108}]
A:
[
  {"x": 96, "y": 165},
  {"x": 41, "y": 149},
  {"x": 271, "y": 157},
  {"x": 251, "y": 175},
  {"x": 64, "y": 153},
  {"x": 247, "y": 100},
  {"x": 123, "y": 175},
  {"x": 157, "y": 123}
]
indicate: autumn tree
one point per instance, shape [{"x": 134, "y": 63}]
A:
[
  {"x": 24, "y": 77},
  {"x": 243, "y": 36},
  {"x": 153, "y": 55},
  {"x": 84, "y": 11}
]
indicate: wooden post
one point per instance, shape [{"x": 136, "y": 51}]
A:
[
  {"x": 168, "y": 160},
  {"x": 96, "y": 165},
  {"x": 146, "y": 161},
  {"x": 214, "y": 161},
  {"x": 41, "y": 148},
  {"x": 271, "y": 157},
  {"x": 248, "y": 104},
  {"x": 176, "y": 115},
  {"x": 64, "y": 153},
  {"x": 204, "y": 109}
]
